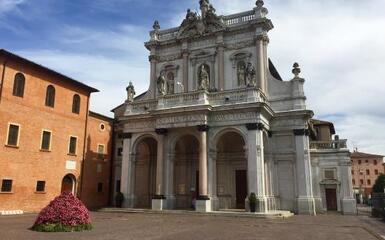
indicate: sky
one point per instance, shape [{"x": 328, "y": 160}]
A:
[{"x": 339, "y": 44}]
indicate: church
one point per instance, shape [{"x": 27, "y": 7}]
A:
[{"x": 218, "y": 123}]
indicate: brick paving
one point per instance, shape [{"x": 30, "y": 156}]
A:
[{"x": 168, "y": 226}]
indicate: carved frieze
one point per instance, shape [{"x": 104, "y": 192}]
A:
[
  {"x": 135, "y": 125},
  {"x": 181, "y": 120},
  {"x": 228, "y": 117},
  {"x": 169, "y": 58},
  {"x": 239, "y": 45}
]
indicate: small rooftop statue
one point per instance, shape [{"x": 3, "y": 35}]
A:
[
  {"x": 261, "y": 10},
  {"x": 259, "y": 3},
  {"x": 156, "y": 25},
  {"x": 130, "y": 92},
  {"x": 296, "y": 70}
]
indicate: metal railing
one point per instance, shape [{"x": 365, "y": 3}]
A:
[{"x": 333, "y": 144}]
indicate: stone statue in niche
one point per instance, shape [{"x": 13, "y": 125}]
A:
[
  {"x": 130, "y": 92},
  {"x": 204, "y": 77},
  {"x": 241, "y": 73},
  {"x": 162, "y": 84},
  {"x": 250, "y": 75},
  {"x": 170, "y": 83}
]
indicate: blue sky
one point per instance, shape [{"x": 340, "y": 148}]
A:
[{"x": 339, "y": 45}]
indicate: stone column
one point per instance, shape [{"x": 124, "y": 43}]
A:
[
  {"x": 203, "y": 203},
  {"x": 221, "y": 66},
  {"x": 185, "y": 55},
  {"x": 305, "y": 199},
  {"x": 158, "y": 201},
  {"x": 256, "y": 165},
  {"x": 260, "y": 64},
  {"x": 127, "y": 171},
  {"x": 153, "y": 87},
  {"x": 348, "y": 202},
  {"x": 169, "y": 181}
]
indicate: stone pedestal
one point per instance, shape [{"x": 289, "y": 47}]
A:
[
  {"x": 158, "y": 204},
  {"x": 349, "y": 206},
  {"x": 203, "y": 205},
  {"x": 305, "y": 206}
]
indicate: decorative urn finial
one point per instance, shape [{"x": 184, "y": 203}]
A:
[
  {"x": 130, "y": 92},
  {"x": 296, "y": 70}
]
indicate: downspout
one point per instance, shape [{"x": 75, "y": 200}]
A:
[
  {"x": 84, "y": 149},
  {"x": 2, "y": 79},
  {"x": 112, "y": 157}
]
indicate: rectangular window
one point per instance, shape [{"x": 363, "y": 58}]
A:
[
  {"x": 100, "y": 151},
  {"x": 352, "y": 172},
  {"x": 13, "y": 135},
  {"x": 359, "y": 161},
  {"x": 72, "y": 145},
  {"x": 46, "y": 141},
  {"x": 368, "y": 181},
  {"x": 100, "y": 187},
  {"x": 40, "y": 186},
  {"x": 376, "y": 171},
  {"x": 6, "y": 185},
  {"x": 354, "y": 182},
  {"x": 117, "y": 186},
  {"x": 367, "y": 172},
  {"x": 361, "y": 181}
]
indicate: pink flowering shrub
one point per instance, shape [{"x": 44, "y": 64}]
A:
[{"x": 64, "y": 213}]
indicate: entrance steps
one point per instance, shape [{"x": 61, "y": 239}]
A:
[{"x": 223, "y": 213}]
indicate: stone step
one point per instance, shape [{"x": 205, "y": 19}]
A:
[{"x": 269, "y": 215}]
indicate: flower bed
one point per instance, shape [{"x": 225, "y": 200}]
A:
[{"x": 65, "y": 213}]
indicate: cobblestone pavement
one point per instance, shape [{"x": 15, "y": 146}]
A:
[{"x": 167, "y": 226}]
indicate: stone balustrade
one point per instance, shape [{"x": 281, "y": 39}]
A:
[
  {"x": 239, "y": 18},
  {"x": 324, "y": 145},
  {"x": 196, "y": 98}
]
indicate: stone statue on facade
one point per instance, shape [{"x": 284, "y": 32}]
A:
[
  {"x": 162, "y": 84},
  {"x": 198, "y": 25},
  {"x": 250, "y": 75},
  {"x": 155, "y": 33},
  {"x": 130, "y": 92},
  {"x": 170, "y": 83},
  {"x": 204, "y": 78},
  {"x": 241, "y": 72}
]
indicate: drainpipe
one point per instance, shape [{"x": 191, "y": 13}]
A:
[
  {"x": 2, "y": 78},
  {"x": 84, "y": 148}
]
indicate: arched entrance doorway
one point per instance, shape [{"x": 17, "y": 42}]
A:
[
  {"x": 145, "y": 172},
  {"x": 68, "y": 184},
  {"x": 231, "y": 171},
  {"x": 186, "y": 175}
]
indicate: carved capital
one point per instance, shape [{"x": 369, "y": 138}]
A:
[
  {"x": 201, "y": 197},
  {"x": 255, "y": 126},
  {"x": 264, "y": 38},
  {"x": 126, "y": 135},
  {"x": 203, "y": 128},
  {"x": 153, "y": 58},
  {"x": 161, "y": 131},
  {"x": 301, "y": 132},
  {"x": 159, "y": 197}
]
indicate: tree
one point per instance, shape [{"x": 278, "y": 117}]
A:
[{"x": 379, "y": 185}]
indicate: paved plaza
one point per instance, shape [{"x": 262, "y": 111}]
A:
[{"x": 184, "y": 226}]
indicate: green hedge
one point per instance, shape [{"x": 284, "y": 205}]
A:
[{"x": 58, "y": 227}]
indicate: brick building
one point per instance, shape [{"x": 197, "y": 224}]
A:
[
  {"x": 43, "y": 124},
  {"x": 366, "y": 168}
]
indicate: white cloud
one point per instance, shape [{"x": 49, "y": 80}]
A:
[{"x": 9, "y": 5}]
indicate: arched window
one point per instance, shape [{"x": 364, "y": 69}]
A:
[
  {"x": 76, "y": 104},
  {"x": 50, "y": 96},
  {"x": 18, "y": 85}
]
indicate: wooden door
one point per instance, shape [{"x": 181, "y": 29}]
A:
[
  {"x": 240, "y": 188},
  {"x": 331, "y": 199}
]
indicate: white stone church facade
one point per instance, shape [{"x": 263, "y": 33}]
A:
[{"x": 218, "y": 123}]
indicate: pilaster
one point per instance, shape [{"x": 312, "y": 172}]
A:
[
  {"x": 256, "y": 165},
  {"x": 305, "y": 199},
  {"x": 127, "y": 171},
  {"x": 185, "y": 55},
  {"x": 348, "y": 202}
]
